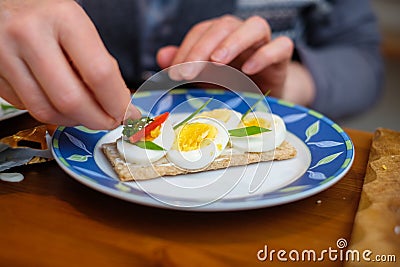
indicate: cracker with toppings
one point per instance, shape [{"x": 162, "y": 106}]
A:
[{"x": 212, "y": 140}]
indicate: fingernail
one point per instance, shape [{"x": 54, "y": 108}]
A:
[
  {"x": 188, "y": 71},
  {"x": 174, "y": 74},
  {"x": 249, "y": 67},
  {"x": 220, "y": 55},
  {"x": 132, "y": 113}
]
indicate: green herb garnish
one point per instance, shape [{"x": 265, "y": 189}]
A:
[
  {"x": 133, "y": 126},
  {"x": 255, "y": 104},
  {"x": 193, "y": 114},
  {"x": 247, "y": 131},
  {"x": 148, "y": 145},
  {"x": 7, "y": 107}
]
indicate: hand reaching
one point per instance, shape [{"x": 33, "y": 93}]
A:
[
  {"x": 53, "y": 63},
  {"x": 245, "y": 45}
]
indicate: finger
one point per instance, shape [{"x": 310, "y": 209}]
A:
[
  {"x": 31, "y": 95},
  {"x": 19, "y": 83},
  {"x": 62, "y": 87},
  {"x": 210, "y": 39},
  {"x": 190, "y": 39},
  {"x": 279, "y": 50},
  {"x": 8, "y": 94},
  {"x": 166, "y": 55},
  {"x": 6, "y": 89},
  {"x": 95, "y": 65},
  {"x": 253, "y": 31},
  {"x": 132, "y": 112}
]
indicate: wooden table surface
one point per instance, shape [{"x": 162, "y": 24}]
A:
[{"x": 49, "y": 219}]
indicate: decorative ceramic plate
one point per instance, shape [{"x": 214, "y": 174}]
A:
[
  {"x": 8, "y": 111},
  {"x": 324, "y": 155}
]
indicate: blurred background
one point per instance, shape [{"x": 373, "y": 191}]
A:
[{"x": 386, "y": 113}]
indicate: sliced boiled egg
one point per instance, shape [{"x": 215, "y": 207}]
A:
[
  {"x": 229, "y": 118},
  {"x": 163, "y": 136},
  {"x": 198, "y": 143},
  {"x": 265, "y": 141}
]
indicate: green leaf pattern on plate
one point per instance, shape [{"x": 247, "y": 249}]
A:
[
  {"x": 293, "y": 188},
  {"x": 141, "y": 94},
  {"x": 79, "y": 158},
  {"x": 122, "y": 187},
  {"x": 312, "y": 130},
  {"x": 327, "y": 160},
  {"x": 86, "y": 130}
]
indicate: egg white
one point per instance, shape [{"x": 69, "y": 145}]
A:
[
  {"x": 206, "y": 154},
  {"x": 138, "y": 155},
  {"x": 232, "y": 121},
  {"x": 265, "y": 141}
]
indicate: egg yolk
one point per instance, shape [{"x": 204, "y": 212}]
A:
[
  {"x": 259, "y": 122},
  {"x": 192, "y": 135},
  {"x": 153, "y": 134}
]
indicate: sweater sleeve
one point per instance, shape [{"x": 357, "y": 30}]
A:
[{"x": 341, "y": 51}]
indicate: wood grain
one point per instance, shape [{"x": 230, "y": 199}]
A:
[{"x": 49, "y": 219}]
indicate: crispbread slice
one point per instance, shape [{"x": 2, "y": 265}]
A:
[
  {"x": 376, "y": 223},
  {"x": 129, "y": 171}
]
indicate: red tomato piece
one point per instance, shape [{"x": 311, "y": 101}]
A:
[{"x": 149, "y": 127}]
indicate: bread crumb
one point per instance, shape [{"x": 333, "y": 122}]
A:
[
  {"x": 319, "y": 201},
  {"x": 397, "y": 229},
  {"x": 384, "y": 167}
]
